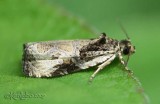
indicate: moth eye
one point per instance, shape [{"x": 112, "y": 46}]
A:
[{"x": 126, "y": 51}]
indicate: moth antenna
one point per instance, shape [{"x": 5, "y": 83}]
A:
[{"x": 123, "y": 29}]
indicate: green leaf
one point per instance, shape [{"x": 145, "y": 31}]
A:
[{"x": 34, "y": 20}]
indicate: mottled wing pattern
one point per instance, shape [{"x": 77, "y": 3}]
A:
[
  {"x": 97, "y": 51},
  {"x": 54, "y": 58},
  {"x": 51, "y": 58}
]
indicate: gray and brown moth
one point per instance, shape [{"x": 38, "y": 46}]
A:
[{"x": 61, "y": 57}]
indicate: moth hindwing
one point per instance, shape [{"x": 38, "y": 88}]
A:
[{"x": 61, "y": 57}]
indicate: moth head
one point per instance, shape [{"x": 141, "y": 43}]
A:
[{"x": 126, "y": 47}]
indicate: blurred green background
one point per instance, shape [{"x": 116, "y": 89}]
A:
[
  {"x": 24, "y": 21},
  {"x": 141, "y": 19}
]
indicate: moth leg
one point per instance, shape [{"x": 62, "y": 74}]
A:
[
  {"x": 124, "y": 64},
  {"x": 100, "y": 67}
]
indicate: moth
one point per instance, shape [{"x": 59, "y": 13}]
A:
[{"x": 61, "y": 57}]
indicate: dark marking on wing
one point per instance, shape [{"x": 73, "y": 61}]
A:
[
  {"x": 25, "y": 68},
  {"x": 102, "y": 44},
  {"x": 95, "y": 46},
  {"x": 26, "y": 57},
  {"x": 68, "y": 67},
  {"x": 98, "y": 45}
]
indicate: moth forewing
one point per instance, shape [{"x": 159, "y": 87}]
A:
[
  {"x": 61, "y": 57},
  {"x": 44, "y": 59}
]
